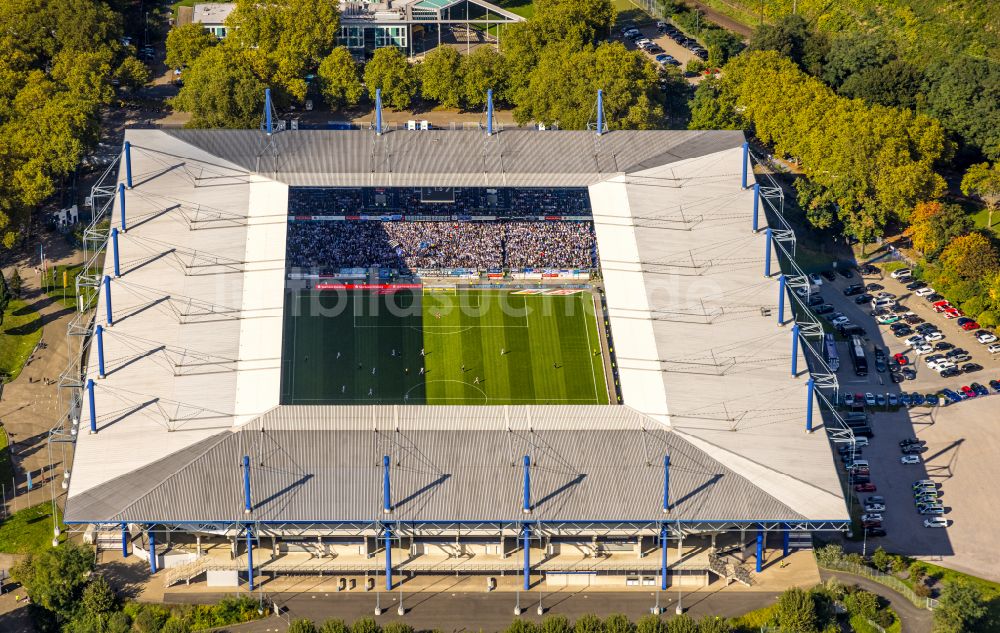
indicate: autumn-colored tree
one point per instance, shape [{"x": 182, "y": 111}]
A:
[
  {"x": 934, "y": 224},
  {"x": 971, "y": 257}
]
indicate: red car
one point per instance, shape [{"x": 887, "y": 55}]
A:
[
  {"x": 953, "y": 313},
  {"x": 940, "y": 309},
  {"x": 970, "y": 325},
  {"x": 939, "y": 304},
  {"x": 871, "y": 524},
  {"x": 901, "y": 359},
  {"x": 969, "y": 392},
  {"x": 869, "y": 487}
]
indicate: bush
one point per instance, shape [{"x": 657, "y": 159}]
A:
[
  {"x": 588, "y": 624},
  {"x": 682, "y": 623},
  {"x": 650, "y": 624},
  {"x": 397, "y": 627},
  {"x": 334, "y": 626},
  {"x": 523, "y": 626},
  {"x": 366, "y": 625},
  {"x": 830, "y": 554},
  {"x": 15, "y": 283},
  {"x": 881, "y": 560},
  {"x": 714, "y": 624},
  {"x": 618, "y": 623},
  {"x": 557, "y": 624},
  {"x": 922, "y": 590},
  {"x": 302, "y": 626},
  {"x": 862, "y": 603}
]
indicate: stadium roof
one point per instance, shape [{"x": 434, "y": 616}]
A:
[{"x": 194, "y": 352}]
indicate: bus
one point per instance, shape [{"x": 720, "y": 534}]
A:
[
  {"x": 830, "y": 352},
  {"x": 858, "y": 357}
]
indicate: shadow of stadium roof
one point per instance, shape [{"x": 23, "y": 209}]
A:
[
  {"x": 450, "y": 464},
  {"x": 512, "y": 157}
]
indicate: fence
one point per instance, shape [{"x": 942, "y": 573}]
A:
[{"x": 891, "y": 582}]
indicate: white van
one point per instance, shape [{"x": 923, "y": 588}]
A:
[
  {"x": 858, "y": 463},
  {"x": 883, "y": 302}
]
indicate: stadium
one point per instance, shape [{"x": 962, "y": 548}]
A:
[{"x": 558, "y": 356}]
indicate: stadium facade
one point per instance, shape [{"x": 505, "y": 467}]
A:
[{"x": 184, "y": 454}]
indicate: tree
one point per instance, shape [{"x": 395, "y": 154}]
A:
[
  {"x": 795, "y": 612},
  {"x": 441, "y": 77},
  {"x": 522, "y": 626},
  {"x": 934, "y": 224},
  {"x": 714, "y": 624},
  {"x": 682, "y": 623},
  {"x": 220, "y": 90},
  {"x": 895, "y": 84},
  {"x": 302, "y": 625},
  {"x": 334, "y": 626},
  {"x": 722, "y": 45},
  {"x": 98, "y": 597},
  {"x": 186, "y": 43},
  {"x": 964, "y": 95},
  {"x": 150, "y": 619},
  {"x": 863, "y": 603},
  {"x": 555, "y": 624},
  {"x": 881, "y": 559},
  {"x": 971, "y": 257},
  {"x": 132, "y": 74},
  {"x": 175, "y": 625},
  {"x": 618, "y": 623},
  {"x": 960, "y": 607},
  {"x": 853, "y": 53},
  {"x": 482, "y": 70},
  {"x": 578, "y": 22},
  {"x": 339, "y": 79},
  {"x": 288, "y": 37},
  {"x": 389, "y": 70},
  {"x": 651, "y": 623},
  {"x": 983, "y": 181},
  {"x": 792, "y": 37},
  {"x": 588, "y": 623},
  {"x": 55, "y": 578}
]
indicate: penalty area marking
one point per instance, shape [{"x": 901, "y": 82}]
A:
[{"x": 461, "y": 382}]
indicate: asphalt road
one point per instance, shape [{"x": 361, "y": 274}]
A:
[{"x": 460, "y": 612}]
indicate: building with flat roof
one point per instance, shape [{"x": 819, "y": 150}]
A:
[
  {"x": 184, "y": 454},
  {"x": 213, "y": 17}
]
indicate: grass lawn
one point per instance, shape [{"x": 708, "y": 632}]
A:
[
  {"x": 20, "y": 332},
  {"x": 523, "y": 8},
  {"x": 474, "y": 346},
  {"x": 29, "y": 530},
  {"x": 64, "y": 294},
  {"x": 6, "y": 468},
  {"x": 991, "y": 590},
  {"x": 981, "y": 216}
]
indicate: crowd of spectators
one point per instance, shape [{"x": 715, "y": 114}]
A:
[
  {"x": 404, "y": 246},
  {"x": 464, "y": 201}
]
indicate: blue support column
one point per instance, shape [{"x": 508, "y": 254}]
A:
[
  {"x": 267, "y": 112},
  {"x": 114, "y": 252},
  {"x": 526, "y": 507},
  {"x": 526, "y": 536},
  {"x": 756, "y": 205},
  {"x": 666, "y": 482},
  {"x": 247, "y": 504},
  {"x": 124, "y": 540},
  {"x": 760, "y": 550},
  {"x": 107, "y": 301},
  {"x": 782, "y": 285},
  {"x": 99, "y": 335},
  {"x": 93, "y": 409},
  {"x": 152, "y": 550},
  {"x": 378, "y": 111},
  {"x": 746, "y": 157},
  {"x": 795, "y": 350},
  {"x": 128, "y": 164},
  {"x": 489, "y": 112},
  {"x": 663, "y": 561},
  {"x": 388, "y": 558},
  {"x": 249, "y": 558},
  {"x": 811, "y": 387},
  {"x": 386, "y": 491},
  {"x": 600, "y": 112},
  {"x": 121, "y": 205},
  {"x": 785, "y": 539},
  {"x": 767, "y": 252}
]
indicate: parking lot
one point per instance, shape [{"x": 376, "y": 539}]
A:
[
  {"x": 961, "y": 442},
  {"x": 669, "y": 46}
]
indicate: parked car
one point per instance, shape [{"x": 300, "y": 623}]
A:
[
  {"x": 909, "y": 459},
  {"x": 941, "y": 345},
  {"x": 871, "y": 516},
  {"x": 875, "y": 531},
  {"x": 924, "y": 292},
  {"x": 863, "y": 298},
  {"x": 870, "y": 399},
  {"x": 902, "y": 272},
  {"x": 951, "y": 372},
  {"x": 874, "y": 507},
  {"x": 916, "y": 285},
  {"x": 901, "y": 359},
  {"x": 828, "y": 275},
  {"x": 853, "y": 289},
  {"x": 970, "y": 368},
  {"x": 994, "y": 348},
  {"x": 985, "y": 336},
  {"x": 865, "y": 487},
  {"x": 995, "y": 385},
  {"x": 826, "y": 308},
  {"x": 936, "y": 522},
  {"x": 980, "y": 390},
  {"x": 967, "y": 392}
]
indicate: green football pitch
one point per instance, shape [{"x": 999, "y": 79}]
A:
[{"x": 420, "y": 346}]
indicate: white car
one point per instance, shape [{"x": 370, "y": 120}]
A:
[
  {"x": 873, "y": 516},
  {"x": 870, "y": 399},
  {"x": 925, "y": 291},
  {"x": 923, "y": 348},
  {"x": 902, "y": 272},
  {"x": 841, "y": 320},
  {"x": 909, "y": 459},
  {"x": 885, "y": 295},
  {"x": 993, "y": 349},
  {"x": 986, "y": 337},
  {"x": 815, "y": 279},
  {"x": 942, "y": 366},
  {"x": 933, "y": 335},
  {"x": 915, "y": 340},
  {"x": 860, "y": 442},
  {"x": 874, "y": 507},
  {"x": 936, "y": 522}
]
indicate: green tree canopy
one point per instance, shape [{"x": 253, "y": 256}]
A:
[
  {"x": 55, "y": 578},
  {"x": 302, "y": 626},
  {"x": 960, "y": 608},
  {"x": 651, "y": 623},
  {"x": 792, "y": 37},
  {"x": 222, "y": 90},
  {"x": 292, "y": 37},
  {"x": 934, "y": 224},
  {"x": 186, "y": 43},
  {"x": 588, "y": 623},
  {"x": 964, "y": 94},
  {"x": 440, "y": 76},
  {"x": 481, "y": 70},
  {"x": 98, "y": 597},
  {"x": 894, "y": 84},
  {"x": 983, "y": 181},
  {"x": 366, "y": 625},
  {"x": 714, "y": 624},
  {"x": 340, "y": 80},
  {"x": 795, "y": 612},
  {"x": 555, "y": 624},
  {"x": 132, "y": 74},
  {"x": 682, "y": 623},
  {"x": 389, "y": 70},
  {"x": 855, "y": 52},
  {"x": 618, "y": 623},
  {"x": 334, "y": 625}
]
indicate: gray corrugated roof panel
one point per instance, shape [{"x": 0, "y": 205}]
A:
[{"x": 324, "y": 464}]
